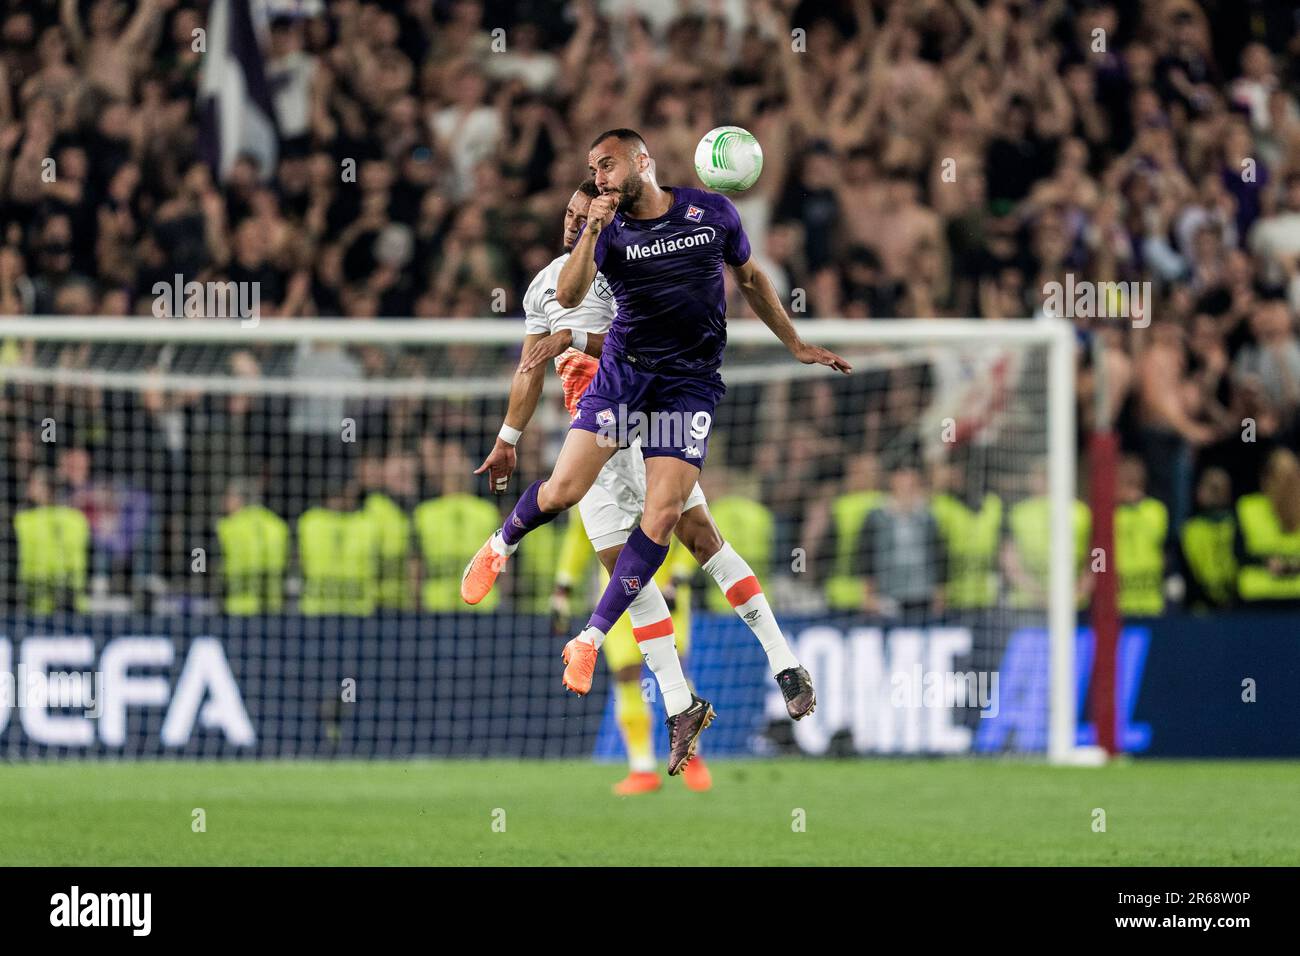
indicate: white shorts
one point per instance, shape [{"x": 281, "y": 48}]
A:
[{"x": 612, "y": 507}]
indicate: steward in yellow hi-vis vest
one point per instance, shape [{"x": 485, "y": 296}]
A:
[
  {"x": 844, "y": 590},
  {"x": 53, "y": 551},
  {"x": 750, "y": 529},
  {"x": 1029, "y": 528},
  {"x": 1141, "y": 526},
  {"x": 535, "y": 563},
  {"x": 449, "y": 530},
  {"x": 254, "y": 544},
  {"x": 393, "y": 529},
  {"x": 390, "y": 479},
  {"x": 1268, "y": 544},
  {"x": 1207, "y": 544},
  {"x": 1027, "y": 549},
  {"x": 971, "y": 539},
  {"x": 338, "y": 552}
]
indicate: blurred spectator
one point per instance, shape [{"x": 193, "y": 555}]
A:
[
  {"x": 944, "y": 159},
  {"x": 1270, "y": 365},
  {"x": 900, "y": 551},
  {"x": 1168, "y": 405}
]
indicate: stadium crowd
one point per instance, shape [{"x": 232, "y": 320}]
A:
[{"x": 924, "y": 158}]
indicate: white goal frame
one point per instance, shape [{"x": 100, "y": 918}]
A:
[{"x": 1056, "y": 335}]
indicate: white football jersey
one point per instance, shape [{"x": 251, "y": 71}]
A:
[{"x": 543, "y": 315}]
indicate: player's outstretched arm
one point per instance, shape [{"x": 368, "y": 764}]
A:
[
  {"x": 525, "y": 390},
  {"x": 580, "y": 270},
  {"x": 759, "y": 292}
]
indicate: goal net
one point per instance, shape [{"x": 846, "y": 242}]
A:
[{"x": 229, "y": 541}]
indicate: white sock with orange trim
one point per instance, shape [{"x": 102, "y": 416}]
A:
[
  {"x": 738, "y": 583},
  {"x": 652, "y": 626}
]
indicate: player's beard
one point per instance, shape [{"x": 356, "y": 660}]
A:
[{"x": 629, "y": 193}]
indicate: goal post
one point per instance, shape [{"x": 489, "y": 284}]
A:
[{"x": 973, "y": 407}]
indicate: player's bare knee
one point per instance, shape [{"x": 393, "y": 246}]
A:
[
  {"x": 609, "y": 557},
  {"x": 558, "y": 495},
  {"x": 658, "y": 525}
]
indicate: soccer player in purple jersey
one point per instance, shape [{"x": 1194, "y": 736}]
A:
[{"x": 662, "y": 251}]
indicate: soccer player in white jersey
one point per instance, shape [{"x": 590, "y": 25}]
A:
[{"x": 612, "y": 507}]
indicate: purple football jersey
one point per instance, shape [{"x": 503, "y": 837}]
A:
[{"x": 666, "y": 276}]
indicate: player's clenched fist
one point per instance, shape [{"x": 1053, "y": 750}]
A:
[{"x": 601, "y": 211}]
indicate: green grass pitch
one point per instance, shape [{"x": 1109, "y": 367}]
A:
[{"x": 861, "y": 812}]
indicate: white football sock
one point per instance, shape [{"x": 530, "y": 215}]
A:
[
  {"x": 746, "y": 598},
  {"x": 593, "y": 636},
  {"x": 652, "y": 625},
  {"x": 661, "y": 657},
  {"x": 499, "y": 544}
]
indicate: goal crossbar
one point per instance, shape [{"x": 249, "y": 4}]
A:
[{"x": 499, "y": 331}]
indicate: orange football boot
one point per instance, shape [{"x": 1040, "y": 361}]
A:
[
  {"x": 481, "y": 573},
  {"x": 638, "y": 781},
  {"x": 580, "y": 665},
  {"x": 696, "y": 775}
]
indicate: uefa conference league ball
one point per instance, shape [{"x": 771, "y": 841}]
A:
[{"x": 728, "y": 159}]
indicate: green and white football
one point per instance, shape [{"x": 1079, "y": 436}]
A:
[{"x": 728, "y": 159}]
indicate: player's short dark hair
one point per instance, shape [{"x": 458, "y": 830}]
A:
[
  {"x": 624, "y": 135},
  {"x": 589, "y": 188}
]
